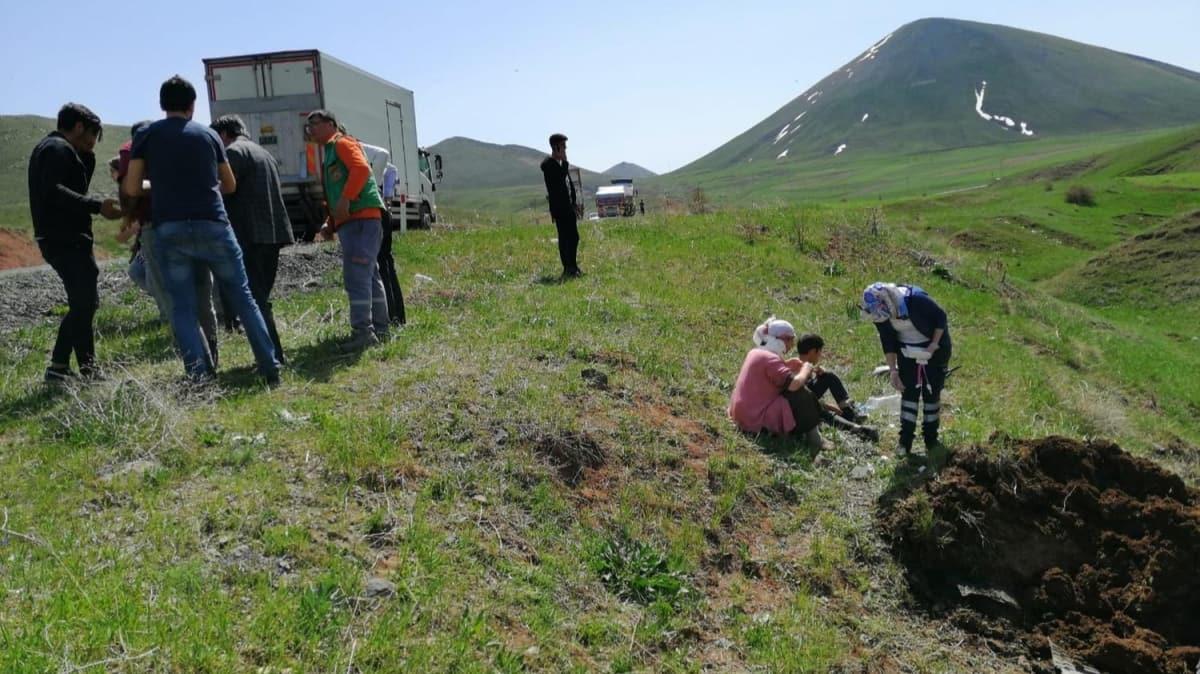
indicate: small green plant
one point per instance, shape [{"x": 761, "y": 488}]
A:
[
  {"x": 923, "y": 518},
  {"x": 314, "y": 615},
  {"x": 377, "y": 524},
  {"x": 634, "y": 570}
]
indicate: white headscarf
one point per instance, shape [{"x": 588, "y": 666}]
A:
[{"x": 767, "y": 336}]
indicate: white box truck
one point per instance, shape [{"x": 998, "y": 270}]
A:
[{"x": 274, "y": 92}]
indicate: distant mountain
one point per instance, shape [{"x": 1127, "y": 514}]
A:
[
  {"x": 472, "y": 164},
  {"x": 940, "y": 83},
  {"x": 628, "y": 170}
]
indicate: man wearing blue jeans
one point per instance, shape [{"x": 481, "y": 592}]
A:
[{"x": 188, "y": 169}]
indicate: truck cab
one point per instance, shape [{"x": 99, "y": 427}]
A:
[{"x": 429, "y": 166}]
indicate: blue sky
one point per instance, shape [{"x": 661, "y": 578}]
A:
[{"x": 658, "y": 83}]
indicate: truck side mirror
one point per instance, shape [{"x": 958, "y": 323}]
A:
[{"x": 437, "y": 163}]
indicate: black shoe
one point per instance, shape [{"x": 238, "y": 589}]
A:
[
  {"x": 273, "y": 380},
  {"x": 59, "y": 376},
  {"x": 850, "y": 413},
  {"x": 92, "y": 373}
]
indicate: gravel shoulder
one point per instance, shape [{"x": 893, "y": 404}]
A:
[{"x": 28, "y": 295}]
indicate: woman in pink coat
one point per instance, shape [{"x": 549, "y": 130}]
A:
[{"x": 770, "y": 394}]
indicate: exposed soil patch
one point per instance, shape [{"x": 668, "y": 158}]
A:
[
  {"x": 1034, "y": 227},
  {"x": 1063, "y": 171},
  {"x": 1059, "y": 540},
  {"x": 982, "y": 241},
  {"x": 617, "y": 359},
  {"x": 1139, "y": 219},
  {"x": 17, "y": 249},
  {"x": 570, "y": 453}
]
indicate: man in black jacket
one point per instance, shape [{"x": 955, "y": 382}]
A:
[
  {"x": 560, "y": 192},
  {"x": 60, "y": 172},
  {"x": 258, "y": 215}
]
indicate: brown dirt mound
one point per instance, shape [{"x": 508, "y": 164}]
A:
[
  {"x": 18, "y": 249},
  {"x": 1076, "y": 543}
]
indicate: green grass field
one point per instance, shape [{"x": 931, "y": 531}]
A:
[{"x": 527, "y": 519}]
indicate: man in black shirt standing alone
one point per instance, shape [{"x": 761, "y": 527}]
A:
[
  {"x": 60, "y": 172},
  {"x": 560, "y": 191}
]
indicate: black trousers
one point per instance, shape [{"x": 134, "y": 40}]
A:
[
  {"x": 262, "y": 265},
  {"x": 568, "y": 242},
  {"x": 828, "y": 382},
  {"x": 924, "y": 396},
  {"x": 75, "y": 264},
  {"x": 805, "y": 409},
  {"x": 387, "y": 270}
]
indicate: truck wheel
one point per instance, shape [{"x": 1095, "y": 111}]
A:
[{"x": 426, "y": 217}]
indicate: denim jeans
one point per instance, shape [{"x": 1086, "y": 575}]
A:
[
  {"x": 137, "y": 272},
  {"x": 186, "y": 249},
  {"x": 360, "y": 241},
  {"x": 156, "y": 286}
]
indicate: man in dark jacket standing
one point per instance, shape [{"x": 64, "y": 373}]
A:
[
  {"x": 60, "y": 172},
  {"x": 257, "y": 213},
  {"x": 560, "y": 191}
]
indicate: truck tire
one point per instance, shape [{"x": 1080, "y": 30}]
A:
[{"x": 426, "y": 217}]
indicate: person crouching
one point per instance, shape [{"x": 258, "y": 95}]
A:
[{"x": 770, "y": 393}]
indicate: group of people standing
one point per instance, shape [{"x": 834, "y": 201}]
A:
[
  {"x": 202, "y": 204},
  {"x": 217, "y": 213},
  {"x": 782, "y": 396}
]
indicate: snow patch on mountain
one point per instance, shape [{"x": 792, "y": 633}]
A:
[
  {"x": 1005, "y": 122},
  {"x": 874, "y": 50}
]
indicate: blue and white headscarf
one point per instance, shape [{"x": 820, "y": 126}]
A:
[{"x": 884, "y": 301}]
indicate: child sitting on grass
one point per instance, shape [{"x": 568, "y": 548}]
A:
[{"x": 841, "y": 413}]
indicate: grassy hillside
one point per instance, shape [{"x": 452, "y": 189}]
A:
[
  {"x": 1172, "y": 153},
  {"x": 543, "y": 472},
  {"x": 18, "y": 136},
  {"x": 476, "y": 165},
  {"x": 874, "y": 177},
  {"x": 1155, "y": 270},
  {"x": 915, "y": 91},
  {"x": 629, "y": 170}
]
